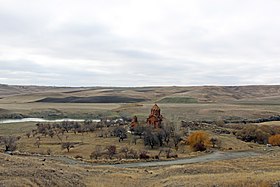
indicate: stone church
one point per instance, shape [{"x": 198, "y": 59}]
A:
[{"x": 155, "y": 118}]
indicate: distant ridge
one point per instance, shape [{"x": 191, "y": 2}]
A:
[
  {"x": 188, "y": 94},
  {"x": 97, "y": 99}
]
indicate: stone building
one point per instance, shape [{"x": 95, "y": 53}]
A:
[
  {"x": 134, "y": 123},
  {"x": 155, "y": 118}
]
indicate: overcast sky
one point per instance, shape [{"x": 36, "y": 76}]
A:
[{"x": 139, "y": 42}]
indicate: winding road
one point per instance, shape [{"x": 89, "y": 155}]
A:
[
  {"x": 200, "y": 159},
  {"x": 216, "y": 156}
]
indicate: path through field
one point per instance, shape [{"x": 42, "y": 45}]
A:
[
  {"x": 216, "y": 156},
  {"x": 205, "y": 158}
]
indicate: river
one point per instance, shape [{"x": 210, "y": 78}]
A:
[{"x": 5, "y": 121}]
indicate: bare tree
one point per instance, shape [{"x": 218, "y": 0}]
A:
[
  {"x": 51, "y": 133},
  {"x": 58, "y": 136},
  {"x": 49, "y": 151},
  {"x": 67, "y": 145},
  {"x": 120, "y": 132},
  {"x": 150, "y": 138},
  {"x": 9, "y": 142},
  {"x": 134, "y": 139},
  {"x": 97, "y": 152},
  {"x": 167, "y": 131},
  {"x": 37, "y": 143},
  {"x": 176, "y": 140}
]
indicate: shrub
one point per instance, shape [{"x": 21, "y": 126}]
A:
[
  {"x": 198, "y": 140},
  {"x": 274, "y": 140},
  {"x": 28, "y": 134},
  {"x": 255, "y": 134},
  {"x": 215, "y": 142},
  {"x": 144, "y": 155},
  {"x": 124, "y": 150},
  {"x": 111, "y": 150},
  {"x": 220, "y": 123},
  {"x": 133, "y": 154}
]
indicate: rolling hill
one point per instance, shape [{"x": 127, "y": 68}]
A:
[{"x": 200, "y": 94}]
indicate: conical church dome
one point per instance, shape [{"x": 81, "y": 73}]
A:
[{"x": 155, "y": 108}]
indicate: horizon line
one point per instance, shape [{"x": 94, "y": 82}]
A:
[{"x": 144, "y": 86}]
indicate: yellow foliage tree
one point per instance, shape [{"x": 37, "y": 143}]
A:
[
  {"x": 199, "y": 140},
  {"x": 274, "y": 140}
]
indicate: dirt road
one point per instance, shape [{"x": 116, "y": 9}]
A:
[
  {"x": 216, "y": 156},
  {"x": 205, "y": 158}
]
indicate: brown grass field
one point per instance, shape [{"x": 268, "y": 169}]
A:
[
  {"x": 29, "y": 171},
  {"x": 211, "y": 103}
]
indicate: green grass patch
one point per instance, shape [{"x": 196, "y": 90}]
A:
[{"x": 178, "y": 100}]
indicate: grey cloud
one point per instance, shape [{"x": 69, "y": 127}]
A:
[
  {"x": 185, "y": 44},
  {"x": 20, "y": 66},
  {"x": 137, "y": 54}
]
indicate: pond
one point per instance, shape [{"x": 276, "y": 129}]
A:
[{"x": 5, "y": 121}]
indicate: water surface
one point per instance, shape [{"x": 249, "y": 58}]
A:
[{"x": 42, "y": 120}]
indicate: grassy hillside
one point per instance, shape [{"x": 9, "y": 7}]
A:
[
  {"x": 199, "y": 93},
  {"x": 178, "y": 100},
  {"x": 31, "y": 171},
  {"x": 192, "y": 103},
  {"x": 96, "y": 99}
]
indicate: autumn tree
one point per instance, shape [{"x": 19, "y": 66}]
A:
[
  {"x": 274, "y": 140},
  {"x": 198, "y": 140}
]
